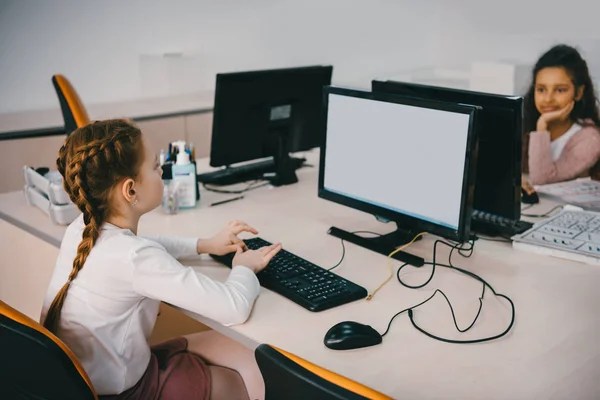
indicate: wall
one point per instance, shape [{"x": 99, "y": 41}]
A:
[
  {"x": 103, "y": 47},
  {"x": 113, "y": 50},
  {"x": 515, "y": 31}
]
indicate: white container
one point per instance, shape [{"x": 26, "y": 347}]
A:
[
  {"x": 60, "y": 214},
  {"x": 184, "y": 176},
  {"x": 49, "y": 184}
]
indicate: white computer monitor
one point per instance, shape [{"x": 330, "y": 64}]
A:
[{"x": 408, "y": 160}]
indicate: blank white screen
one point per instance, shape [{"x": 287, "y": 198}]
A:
[{"x": 403, "y": 158}]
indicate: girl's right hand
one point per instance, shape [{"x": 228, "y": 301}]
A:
[
  {"x": 558, "y": 115},
  {"x": 256, "y": 260}
]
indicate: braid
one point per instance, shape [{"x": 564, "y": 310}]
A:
[
  {"x": 61, "y": 165},
  {"x": 75, "y": 180},
  {"x": 88, "y": 176}
]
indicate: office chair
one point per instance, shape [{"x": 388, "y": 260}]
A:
[
  {"x": 290, "y": 377},
  {"x": 73, "y": 111},
  {"x": 35, "y": 364}
]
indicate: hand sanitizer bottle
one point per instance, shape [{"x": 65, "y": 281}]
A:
[{"x": 184, "y": 176}]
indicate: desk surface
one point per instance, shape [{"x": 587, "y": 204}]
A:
[{"x": 552, "y": 351}]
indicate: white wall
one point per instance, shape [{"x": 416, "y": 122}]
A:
[
  {"x": 103, "y": 47},
  {"x": 516, "y": 31},
  {"x": 98, "y": 44}
]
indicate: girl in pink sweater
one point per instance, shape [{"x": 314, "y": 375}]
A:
[{"x": 561, "y": 127}]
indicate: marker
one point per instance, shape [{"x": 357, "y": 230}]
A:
[{"x": 216, "y": 203}]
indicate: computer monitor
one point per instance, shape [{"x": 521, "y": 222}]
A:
[
  {"x": 268, "y": 113},
  {"x": 406, "y": 160},
  {"x": 498, "y": 176}
]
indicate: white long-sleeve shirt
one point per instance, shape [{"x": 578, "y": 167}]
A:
[{"x": 112, "y": 304}]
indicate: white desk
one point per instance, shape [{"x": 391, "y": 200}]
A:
[{"x": 551, "y": 353}]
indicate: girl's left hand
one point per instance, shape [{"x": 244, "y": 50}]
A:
[
  {"x": 226, "y": 241},
  {"x": 559, "y": 115},
  {"x": 526, "y": 186}
]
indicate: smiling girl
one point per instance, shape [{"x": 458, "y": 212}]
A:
[{"x": 562, "y": 137}]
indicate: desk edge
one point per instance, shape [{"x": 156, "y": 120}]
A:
[{"x": 27, "y": 228}]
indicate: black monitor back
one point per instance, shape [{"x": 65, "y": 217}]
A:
[
  {"x": 498, "y": 171},
  {"x": 252, "y": 108}
]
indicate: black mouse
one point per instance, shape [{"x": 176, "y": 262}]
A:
[
  {"x": 527, "y": 198},
  {"x": 349, "y": 335}
]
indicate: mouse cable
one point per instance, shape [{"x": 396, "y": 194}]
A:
[
  {"x": 546, "y": 214},
  {"x": 389, "y": 264},
  {"x": 459, "y": 248},
  {"x": 344, "y": 248}
]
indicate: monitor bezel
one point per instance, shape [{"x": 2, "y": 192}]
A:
[{"x": 404, "y": 221}]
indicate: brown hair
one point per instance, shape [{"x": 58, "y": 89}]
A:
[{"x": 93, "y": 159}]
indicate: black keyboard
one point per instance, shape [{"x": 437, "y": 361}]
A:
[
  {"x": 496, "y": 225},
  {"x": 243, "y": 173},
  {"x": 301, "y": 281}
]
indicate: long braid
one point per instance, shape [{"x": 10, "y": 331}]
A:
[{"x": 77, "y": 164}]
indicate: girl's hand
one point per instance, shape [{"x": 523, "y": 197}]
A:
[
  {"x": 256, "y": 260},
  {"x": 226, "y": 241},
  {"x": 526, "y": 186},
  {"x": 558, "y": 115}
]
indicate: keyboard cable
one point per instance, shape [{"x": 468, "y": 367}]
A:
[{"x": 389, "y": 264}]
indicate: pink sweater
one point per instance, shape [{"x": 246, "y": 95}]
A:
[{"x": 580, "y": 154}]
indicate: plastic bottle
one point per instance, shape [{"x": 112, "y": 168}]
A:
[{"x": 184, "y": 175}]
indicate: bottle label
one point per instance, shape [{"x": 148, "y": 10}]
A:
[{"x": 186, "y": 190}]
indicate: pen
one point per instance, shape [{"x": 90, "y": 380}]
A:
[{"x": 216, "y": 203}]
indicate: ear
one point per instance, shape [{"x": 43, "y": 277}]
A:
[
  {"x": 579, "y": 93},
  {"x": 128, "y": 190}
]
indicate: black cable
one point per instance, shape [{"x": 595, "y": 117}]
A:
[
  {"x": 344, "y": 248},
  {"x": 405, "y": 310},
  {"x": 544, "y": 215},
  {"x": 434, "y": 264},
  {"x": 469, "y": 252},
  {"x": 460, "y": 248},
  {"x": 526, "y": 206},
  {"x": 451, "y": 309},
  {"x": 487, "y": 339},
  {"x": 251, "y": 186},
  {"x": 491, "y": 239},
  {"x": 341, "y": 259}
]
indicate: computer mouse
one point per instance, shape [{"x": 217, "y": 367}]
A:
[
  {"x": 527, "y": 198},
  {"x": 349, "y": 335}
]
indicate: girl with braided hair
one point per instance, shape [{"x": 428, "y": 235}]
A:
[{"x": 105, "y": 291}]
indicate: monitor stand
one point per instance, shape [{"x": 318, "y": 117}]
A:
[
  {"x": 384, "y": 244},
  {"x": 253, "y": 171},
  {"x": 285, "y": 167}
]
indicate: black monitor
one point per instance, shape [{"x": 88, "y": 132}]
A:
[
  {"x": 406, "y": 160},
  {"x": 498, "y": 176},
  {"x": 267, "y": 113}
]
